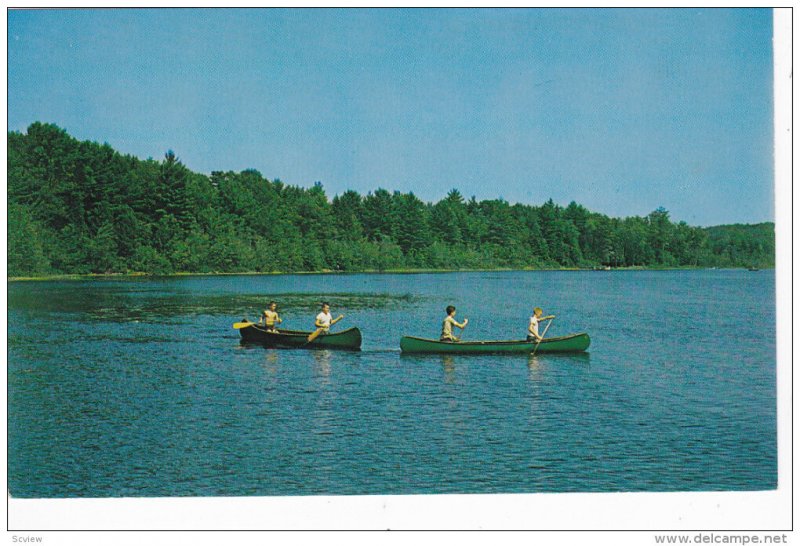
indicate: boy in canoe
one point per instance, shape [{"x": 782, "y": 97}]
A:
[
  {"x": 270, "y": 317},
  {"x": 448, "y": 323},
  {"x": 533, "y": 326},
  {"x": 324, "y": 320}
]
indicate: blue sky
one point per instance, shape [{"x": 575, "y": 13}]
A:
[{"x": 622, "y": 111}]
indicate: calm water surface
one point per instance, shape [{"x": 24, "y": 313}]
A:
[{"x": 140, "y": 387}]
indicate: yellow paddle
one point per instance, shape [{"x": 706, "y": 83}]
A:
[
  {"x": 240, "y": 325},
  {"x": 315, "y": 334}
]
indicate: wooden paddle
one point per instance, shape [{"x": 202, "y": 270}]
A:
[
  {"x": 240, "y": 325},
  {"x": 459, "y": 338},
  {"x": 315, "y": 334},
  {"x": 549, "y": 322}
]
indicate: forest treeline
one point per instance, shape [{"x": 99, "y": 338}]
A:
[{"x": 78, "y": 207}]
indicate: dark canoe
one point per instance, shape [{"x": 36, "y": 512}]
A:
[
  {"x": 346, "y": 339},
  {"x": 574, "y": 343}
]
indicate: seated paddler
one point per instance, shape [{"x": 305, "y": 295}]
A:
[
  {"x": 448, "y": 323},
  {"x": 533, "y": 324},
  {"x": 270, "y": 317},
  {"x": 325, "y": 320}
]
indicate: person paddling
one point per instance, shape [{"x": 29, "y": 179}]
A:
[
  {"x": 448, "y": 323},
  {"x": 270, "y": 317},
  {"x": 533, "y": 326},
  {"x": 324, "y": 320}
]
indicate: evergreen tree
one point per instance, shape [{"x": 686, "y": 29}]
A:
[
  {"x": 172, "y": 196},
  {"x": 347, "y": 209},
  {"x": 378, "y": 216},
  {"x": 25, "y": 249},
  {"x": 412, "y": 229},
  {"x": 449, "y": 218}
]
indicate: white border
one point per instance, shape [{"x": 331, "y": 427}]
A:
[{"x": 671, "y": 511}]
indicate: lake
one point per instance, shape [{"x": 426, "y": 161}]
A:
[{"x": 140, "y": 387}]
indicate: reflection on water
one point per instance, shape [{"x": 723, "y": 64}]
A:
[
  {"x": 322, "y": 361},
  {"x": 535, "y": 366},
  {"x": 271, "y": 361},
  {"x": 538, "y": 364},
  {"x": 449, "y": 367},
  {"x": 534, "y": 360},
  {"x": 579, "y": 358}
]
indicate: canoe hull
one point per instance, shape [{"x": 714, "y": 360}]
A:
[
  {"x": 574, "y": 343},
  {"x": 349, "y": 339}
]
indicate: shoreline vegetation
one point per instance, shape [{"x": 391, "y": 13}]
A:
[
  {"x": 78, "y": 208},
  {"x": 139, "y": 274}
]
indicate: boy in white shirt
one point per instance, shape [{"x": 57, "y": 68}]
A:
[
  {"x": 533, "y": 326},
  {"x": 324, "y": 320}
]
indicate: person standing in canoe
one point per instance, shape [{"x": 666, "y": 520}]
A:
[
  {"x": 448, "y": 323},
  {"x": 270, "y": 317},
  {"x": 324, "y": 320},
  {"x": 533, "y": 325}
]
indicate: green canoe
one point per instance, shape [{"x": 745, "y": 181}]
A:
[
  {"x": 573, "y": 343},
  {"x": 346, "y": 339}
]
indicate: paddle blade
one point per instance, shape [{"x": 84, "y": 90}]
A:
[
  {"x": 240, "y": 325},
  {"x": 314, "y": 335}
]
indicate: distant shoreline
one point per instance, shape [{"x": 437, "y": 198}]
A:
[{"x": 404, "y": 271}]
